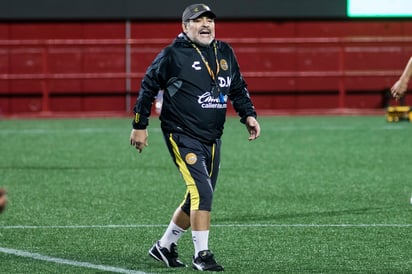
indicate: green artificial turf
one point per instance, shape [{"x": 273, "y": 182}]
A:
[{"x": 311, "y": 195}]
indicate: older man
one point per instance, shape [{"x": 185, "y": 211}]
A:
[{"x": 198, "y": 75}]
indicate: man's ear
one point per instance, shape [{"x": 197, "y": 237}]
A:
[{"x": 184, "y": 27}]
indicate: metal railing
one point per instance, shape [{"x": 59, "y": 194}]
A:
[{"x": 45, "y": 75}]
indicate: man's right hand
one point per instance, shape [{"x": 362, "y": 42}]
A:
[
  {"x": 399, "y": 88},
  {"x": 138, "y": 139}
]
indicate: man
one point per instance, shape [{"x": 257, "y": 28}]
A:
[
  {"x": 401, "y": 86},
  {"x": 3, "y": 199},
  {"x": 198, "y": 75}
]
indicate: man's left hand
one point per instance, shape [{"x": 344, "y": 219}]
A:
[{"x": 253, "y": 128}]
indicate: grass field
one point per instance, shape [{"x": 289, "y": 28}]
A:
[{"x": 312, "y": 195}]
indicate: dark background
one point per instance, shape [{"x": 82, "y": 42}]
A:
[{"x": 168, "y": 9}]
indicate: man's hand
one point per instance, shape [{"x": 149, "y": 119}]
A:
[
  {"x": 399, "y": 88},
  {"x": 3, "y": 199},
  {"x": 252, "y": 127},
  {"x": 138, "y": 139}
]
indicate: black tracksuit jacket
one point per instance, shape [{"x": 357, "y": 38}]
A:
[{"x": 192, "y": 103}]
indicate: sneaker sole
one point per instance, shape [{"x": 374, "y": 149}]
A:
[
  {"x": 220, "y": 269},
  {"x": 216, "y": 269},
  {"x": 154, "y": 256},
  {"x": 195, "y": 267}
]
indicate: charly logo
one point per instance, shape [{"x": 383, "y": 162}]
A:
[
  {"x": 223, "y": 64},
  {"x": 196, "y": 65},
  {"x": 191, "y": 158}
]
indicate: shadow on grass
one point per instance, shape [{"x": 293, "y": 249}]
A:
[
  {"x": 32, "y": 167},
  {"x": 273, "y": 217}
]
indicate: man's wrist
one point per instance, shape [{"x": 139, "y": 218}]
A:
[
  {"x": 138, "y": 126},
  {"x": 139, "y": 122}
]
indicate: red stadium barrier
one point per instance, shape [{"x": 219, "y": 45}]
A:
[{"x": 99, "y": 66}]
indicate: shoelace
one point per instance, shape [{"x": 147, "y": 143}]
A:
[
  {"x": 209, "y": 259},
  {"x": 173, "y": 251}
]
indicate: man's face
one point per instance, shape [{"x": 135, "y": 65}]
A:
[{"x": 200, "y": 30}]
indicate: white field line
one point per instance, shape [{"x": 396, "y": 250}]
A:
[
  {"x": 217, "y": 225},
  {"x": 37, "y": 256},
  {"x": 40, "y": 257},
  {"x": 41, "y": 131}
]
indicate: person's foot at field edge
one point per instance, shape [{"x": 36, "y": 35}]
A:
[
  {"x": 169, "y": 257},
  {"x": 205, "y": 261}
]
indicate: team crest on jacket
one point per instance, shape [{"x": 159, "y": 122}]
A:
[
  {"x": 191, "y": 158},
  {"x": 223, "y": 64}
]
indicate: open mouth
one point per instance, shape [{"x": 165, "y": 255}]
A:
[{"x": 204, "y": 32}]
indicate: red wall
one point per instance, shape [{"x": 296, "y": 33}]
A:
[{"x": 287, "y": 65}]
